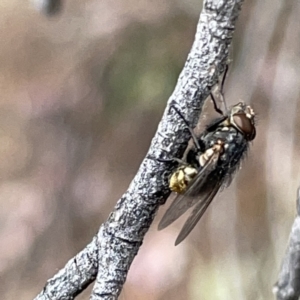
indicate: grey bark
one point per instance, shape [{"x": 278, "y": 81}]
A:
[
  {"x": 108, "y": 257},
  {"x": 288, "y": 284}
]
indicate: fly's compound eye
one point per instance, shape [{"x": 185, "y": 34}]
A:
[{"x": 245, "y": 123}]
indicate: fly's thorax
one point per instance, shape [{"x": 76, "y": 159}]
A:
[
  {"x": 213, "y": 152},
  {"x": 180, "y": 179},
  {"x": 242, "y": 117},
  {"x": 226, "y": 143}
]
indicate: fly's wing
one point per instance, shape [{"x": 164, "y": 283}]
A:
[
  {"x": 222, "y": 181},
  {"x": 183, "y": 202},
  {"x": 234, "y": 163},
  {"x": 197, "y": 213}
]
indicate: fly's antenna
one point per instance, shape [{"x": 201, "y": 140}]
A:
[
  {"x": 222, "y": 87},
  {"x": 195, "y": 140}
]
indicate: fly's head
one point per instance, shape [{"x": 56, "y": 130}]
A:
[
  {"x": 181, "y": 178},
  {"x": 242, "y": 117}
]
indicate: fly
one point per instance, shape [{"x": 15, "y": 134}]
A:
[{"x": 209, "y": 164}]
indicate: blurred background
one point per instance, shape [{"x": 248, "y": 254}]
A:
[{"x": 82, "y": 92}]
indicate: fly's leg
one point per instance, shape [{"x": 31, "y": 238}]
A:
[
  {"x": 172, "y": 160},
  {"x": 223, "y": 80},
  {"x": 199, "y": 144},
  {"x": 217, "y": 109},
  {"x": 221, "y": 92},
  {"x": 222, "y": 87},
  {"x": 194, "y": 138}
]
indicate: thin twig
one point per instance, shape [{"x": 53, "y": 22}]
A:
[
  {"x": 112, "y": 250},
  {"x": 288, "y": 284},
  {"x": 48, "y": 7}
]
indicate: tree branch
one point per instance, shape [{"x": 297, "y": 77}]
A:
[
  {"x": 288, "y": 284},
  {"x": 112, "y": 250}
]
